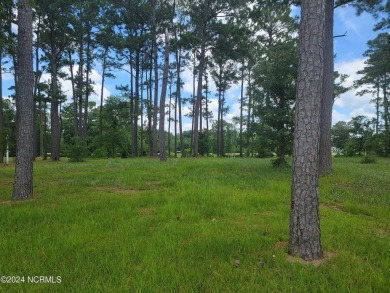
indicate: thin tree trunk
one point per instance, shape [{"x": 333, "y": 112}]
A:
[
  {"x": 41, "y": 128},
  {"x": 1, "y": 111},
  {"x": 169, "y": 119},
  {"x": 178, "y": 95},
  {"x": 87, "y": 87},
  {"x": 134, "y": 132},
  {"x": 150, "y": 124},
  {"x": 386, "y": 107},
  {"x": 163, "y": 154},
  {"x": 305, "y": 235},
  {"x": 327, "y": 94},
  {"x": 36, "y": 82},
  {"x": 55, "y": 120},
  {"x": 80, "y": 87},
  {"x": 104, "y": 67},
  {"x": 141, "y": 152},
  {"x": 377, "y": 109},
  {"x": 75, "y": 120},
  {"x": 249, "y": 125},
  {"x": 175, "y": 125},
  {"x": 198, "y": 100},
  {"x": 219, "y": 142},
  {"x": 155, "y": 60},
  {"x": 241, "y": 110},
  {"x": 23, "y": 184}
]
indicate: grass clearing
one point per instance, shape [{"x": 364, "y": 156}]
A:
[{"x": 191, "y": 225}]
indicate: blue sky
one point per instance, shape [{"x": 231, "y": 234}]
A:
[{"x": 349, "y": 60}]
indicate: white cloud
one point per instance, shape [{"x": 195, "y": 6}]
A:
[
  {"x": 66, "y": 85},
  {"x": 350, "y": 104},
  {"x": 6, "y": 76}
]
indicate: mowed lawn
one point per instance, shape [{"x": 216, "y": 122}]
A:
[{"x": 190, "y": 225}]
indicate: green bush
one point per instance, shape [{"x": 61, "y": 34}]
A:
[
  {"x": 100, "y": 153},
  {"x": 280, "y": 163},
  {"x": 78, "y": 151},
  {"x": 368, "y": 159}
]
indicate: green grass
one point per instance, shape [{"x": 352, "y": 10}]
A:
[{"x": 139, "y": 225}]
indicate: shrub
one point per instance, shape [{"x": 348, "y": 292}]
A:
[
  {"x": 78, "y": 151},
  {"x": 280, "y": 163},
  {"x": 368, "y": 159},
  {"x": 100, "y": 153}
]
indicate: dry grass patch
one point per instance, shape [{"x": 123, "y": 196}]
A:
[{"x": 328, "y": 255}]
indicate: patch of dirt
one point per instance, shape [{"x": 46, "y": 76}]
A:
[
  {"x": 147, "y": 212},
  {"x": 383, "y": 233},
  {"x": 328, "y": 255},
  {"x": 335, "y": 207},
  {"x": 152, "y": 183},
  {"x": 248, "y": 169},
  {"x": 117, "y": 189},
  {"x": 4, "y": 182},
  {"x": 9, "y": 203},
  {"x": 281, "y": 245}
]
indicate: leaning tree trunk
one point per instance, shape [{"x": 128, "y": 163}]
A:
[
  {"x": 23, "y": 184},
  {"x": 163, "y": 154},
  {"x": 327, "y": 95},
  {"x": 305, "y": 235}
]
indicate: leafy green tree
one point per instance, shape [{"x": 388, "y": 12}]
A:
[
  {"x": 275, "y": 77},
  {"x": 340, "y": 135}
]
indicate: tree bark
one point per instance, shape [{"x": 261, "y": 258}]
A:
[
  {"x": 23, "y": 184},
  {"x": 305, "y": 235},
  {"x": 327, "y": 94},
  {"x": 163, "y": 154}
]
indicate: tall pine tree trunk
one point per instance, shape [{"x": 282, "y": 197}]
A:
[
  {"x": 198, "y": 100},
  {"x": 23, "y": 184},
  {"x": 241, "y": 111},
  {"x": 104, "y": 68},
  {"x": 178, "y": 95},
  {"x": 155, "y": 61},
  {"x": 72, "y": 80},
  {"x": 305, "y": 235},
  {"x": 163, "y": 154},
  {"x": 55, "y": 119},
  {"x": 134, "y": 131},
  {"x": 327, "y": 94}
]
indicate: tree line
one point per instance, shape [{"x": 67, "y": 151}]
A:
[{"x": 254, "y": 46}]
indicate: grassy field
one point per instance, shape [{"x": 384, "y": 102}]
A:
[{"x": 190, "y": 225}]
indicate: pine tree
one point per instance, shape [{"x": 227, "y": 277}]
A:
[
  {"x": 23, "y": 184},
  {"x": 305, "y": 235}
]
